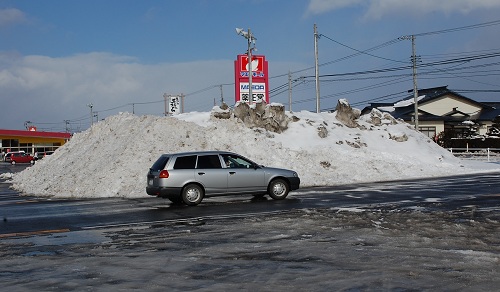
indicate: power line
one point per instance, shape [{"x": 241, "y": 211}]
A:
[
  {"x": 473, "y": 26},
  {"x": 358, "y": 51},
  {"x": 460, "y": 58}
]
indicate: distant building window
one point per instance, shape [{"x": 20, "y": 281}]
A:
[{"x": 428, "y": 131}]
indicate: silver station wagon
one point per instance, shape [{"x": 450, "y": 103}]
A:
[{"x": 190, "y": 176}]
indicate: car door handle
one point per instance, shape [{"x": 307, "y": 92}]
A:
[
  {"x": 201, "y": 173},
  {"x": 232, "y": 172}
]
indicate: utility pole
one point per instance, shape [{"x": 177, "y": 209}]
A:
[
  {"x": 414, "y": 67},
  {"x": 316, "y": 71},
  {"x": 289, "y": 91},
  {"x": 182, "y": 102},
  {"x": 221, "y": 95},
  {"x": 165, "y": 97},
  {"x": 415, "y": 90}
]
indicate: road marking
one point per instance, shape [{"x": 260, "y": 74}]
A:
[{"x": 39, "y": 232}]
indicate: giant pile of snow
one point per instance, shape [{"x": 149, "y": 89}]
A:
[{"x": 112, "y": 158}]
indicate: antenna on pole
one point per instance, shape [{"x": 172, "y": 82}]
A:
[{"x": 250, "y": 40}]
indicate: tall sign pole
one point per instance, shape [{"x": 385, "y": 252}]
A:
[{"x": 250, "y": 72}]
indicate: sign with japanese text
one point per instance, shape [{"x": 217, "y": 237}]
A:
[
  {"x": 258, "y": 92},
  {"x": 260, "y": 79},
  {"x": 174, "y": 105}
]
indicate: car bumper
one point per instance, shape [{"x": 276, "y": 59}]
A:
[{"x": 163, "y": 192}]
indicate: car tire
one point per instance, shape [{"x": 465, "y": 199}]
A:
[
  {"x": 32, "y": 162},
  {"x": 192, "y": 194},
  {"x": 278, "y": 189},
  {"x": 12, "y": 162}
]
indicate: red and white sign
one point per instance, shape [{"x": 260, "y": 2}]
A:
[
  {"x": 260, "y": 80},
  {"x": 257, "y": 63}
]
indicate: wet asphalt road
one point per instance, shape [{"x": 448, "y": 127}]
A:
[
  {"x": 26, "y": 214},
  {"x": 436, "y": 234}
]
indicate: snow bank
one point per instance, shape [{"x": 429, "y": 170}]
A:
[{"x": 111, "y": 159}]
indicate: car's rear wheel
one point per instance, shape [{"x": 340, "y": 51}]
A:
[
  {"x": 192, "y": 194},
  {"x": 12, "y": 162},
  {"x": 278, "y": 189}
]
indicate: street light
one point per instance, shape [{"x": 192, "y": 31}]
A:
[
  {"x": 90, "y": 105},
  {"x": 250, "y": 39}
]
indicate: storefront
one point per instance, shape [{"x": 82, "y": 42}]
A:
[{"x": 31, "y": 141}]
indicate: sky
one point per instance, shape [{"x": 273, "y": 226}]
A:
[
  {"x": 388, "y": 151},
  {"x": 58, "y": 57}
]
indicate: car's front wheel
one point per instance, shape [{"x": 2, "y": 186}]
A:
[
  {"x": 278, "y": 189},
  {"x": 192, "y": 194},
  {"x": 13, "y": 162}
]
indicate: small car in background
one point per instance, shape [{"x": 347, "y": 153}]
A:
[
  {"x": 7, "y": 155},
  {"x": 21, "y": 158},
  {"x": 188, "y": 177}
]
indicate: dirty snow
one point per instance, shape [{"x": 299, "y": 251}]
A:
[{"x": 111, "y": 159}]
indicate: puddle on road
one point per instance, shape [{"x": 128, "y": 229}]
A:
[{"x": 71, "y": 237}]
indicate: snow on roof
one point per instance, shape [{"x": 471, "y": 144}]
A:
[{"x": 407, "y": 102}]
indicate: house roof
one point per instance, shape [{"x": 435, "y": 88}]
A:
[
  {"x": 489, "y": 110},
  {"x": 37, "y": 134}
]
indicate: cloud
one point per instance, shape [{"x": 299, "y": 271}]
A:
[
  {"x": 375, "y": 9},
  {"x": 54, "y": 89},
  {"x": 322, "y": 6},
  {"x": 11, "y": 16}
]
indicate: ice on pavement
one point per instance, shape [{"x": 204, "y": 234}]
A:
[{"x": 112, "y": 158}]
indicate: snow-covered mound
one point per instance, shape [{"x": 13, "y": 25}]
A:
[{"x": 112, "y": 158}]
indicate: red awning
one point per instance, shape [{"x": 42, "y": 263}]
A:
[{"x": 38, "y": 134}]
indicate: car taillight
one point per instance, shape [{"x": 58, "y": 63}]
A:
[{"x": 163, "y": 174}]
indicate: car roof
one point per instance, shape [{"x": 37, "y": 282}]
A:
[{"x": 205, "y": 152}]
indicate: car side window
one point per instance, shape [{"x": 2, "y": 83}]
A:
[
  {"x": 208, "y": 161},
  {"x": 233, "y": 161},
  {"x": 160, "y": 163},
  {"x": 185, "y": 162}
]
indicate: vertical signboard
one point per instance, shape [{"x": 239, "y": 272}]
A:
[
  {"x": 260, "y": 79},
  {"x": 174, "y": 103}
]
